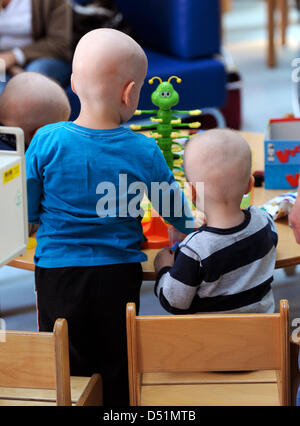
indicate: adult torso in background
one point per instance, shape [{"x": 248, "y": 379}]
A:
[{"x": 16, "y": 24}]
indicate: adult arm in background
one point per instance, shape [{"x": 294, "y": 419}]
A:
[{"x": 294, "y": 217}]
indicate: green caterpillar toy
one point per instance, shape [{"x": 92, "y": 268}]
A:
[{"x": 164, "y": 122}]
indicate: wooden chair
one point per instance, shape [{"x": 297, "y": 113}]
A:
[
  {"x": 272, "y": 6},
  {"x": 230, "y": 359},
  {"x": 34, "y": 370}
]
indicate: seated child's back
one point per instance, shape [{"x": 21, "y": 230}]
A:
[{"x": 227, "y": 265}]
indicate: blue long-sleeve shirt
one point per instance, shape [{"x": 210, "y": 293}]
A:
[{"x": 84, "y": 189}]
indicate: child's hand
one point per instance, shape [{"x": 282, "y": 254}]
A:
[
  {"x": 164, "y": 258},
  {"x": 32, "y": 229},
  {"x": 199, "y": 218}
]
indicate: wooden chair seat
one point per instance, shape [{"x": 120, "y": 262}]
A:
[
  {"x": 206, "y": 377},
  {"x": 18, "y": 403},
  {"x": 225, "y": 394},
  {"x": 210, "y": 388},
  {"x": 22, "y": 396}
]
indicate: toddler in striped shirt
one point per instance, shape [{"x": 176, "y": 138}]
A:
[{"x": 227, "y": 264}]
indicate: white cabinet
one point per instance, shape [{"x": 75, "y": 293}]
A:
[{"x": 13, "y": 197}]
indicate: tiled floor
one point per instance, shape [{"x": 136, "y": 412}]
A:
[{"x": 266, "y": 94}]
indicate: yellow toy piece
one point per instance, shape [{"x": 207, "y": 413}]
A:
[
  {"x": 135, "y": 127},
  {"x": 176, "y": 135},
  {"x": 156, "y": 135},
  {"x": 32, "y": 243},
  {"x": 195, "y": 125},
  {"x": 156, "y": 120},
  {"x": 176, "y": 148},
  {"x": 178, "y": 162},
  {"x": 195, "y": 112}
]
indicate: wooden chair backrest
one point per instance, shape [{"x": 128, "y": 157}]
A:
[
  {"x": 222, "y": 342},
  {"x": 37, "y": 360}
]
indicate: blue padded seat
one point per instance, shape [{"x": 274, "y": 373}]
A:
[
  {"x": 203, "y": 80},
  {"x": 180, "y": 37},
  {"x": 183, "y": 28}
]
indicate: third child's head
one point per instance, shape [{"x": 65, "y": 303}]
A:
[
  {"x": 31, "y": 100},
  {"x": 221, "y": 159},
  {"x": 109, "y": 69}
]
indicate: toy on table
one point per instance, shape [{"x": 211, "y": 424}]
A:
[
  {"x": 159, "y": 234},
  {"x": 164, "y": 122},
  {"x": 156, "y": 231},
  {"x": 281, "y": 205},
  {"x": 282, "y": 149},
  {"x": 32, "y": 243}
]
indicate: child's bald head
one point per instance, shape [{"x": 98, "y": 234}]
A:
[
  {"x": 30, "y": 101},
  {"x": 106, "y": 63},
  {"x": 221, "y": 159}
]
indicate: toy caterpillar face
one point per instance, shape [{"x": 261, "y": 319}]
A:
[{"x": 165, "y": 96}]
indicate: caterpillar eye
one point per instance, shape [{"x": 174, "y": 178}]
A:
[
  {"x": 168, "y": 94},
  {"x": 162, "y": 94}
]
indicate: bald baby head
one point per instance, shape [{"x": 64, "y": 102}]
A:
[
  {"x": 221, "y": 158},
  {"x": 30, "y": 101},
  {"x": 106, "y": 63}
]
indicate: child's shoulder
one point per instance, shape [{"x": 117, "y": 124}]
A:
[
  {"x": 259, "y": 214},
  {"x": 141, "y": 139},
  {"x": 192, "y": 242},
  {"x": 50, "y": 128}
]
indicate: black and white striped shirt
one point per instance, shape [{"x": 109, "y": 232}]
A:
[{"x": 223, "y": 270}]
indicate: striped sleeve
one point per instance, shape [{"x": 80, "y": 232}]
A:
[
  {"x": 273, "y": 230},
  {"x": 177, "y": 287}
]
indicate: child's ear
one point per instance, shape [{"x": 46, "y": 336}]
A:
[
  {"x": 250, "y": 184},
  {"x": 192, "y": 191},
  {"x": 72, "y": 85},
  {"x": 126, "y": 96}
]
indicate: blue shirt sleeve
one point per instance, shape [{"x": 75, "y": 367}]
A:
[
  {"x": 166, "y": 196},
  {"x": 34, "y": 183}
]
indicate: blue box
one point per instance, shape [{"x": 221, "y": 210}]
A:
[{"x": 282, "y": 154}]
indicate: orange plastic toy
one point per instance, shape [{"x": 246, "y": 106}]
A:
[{"x": 156, "y": 232}]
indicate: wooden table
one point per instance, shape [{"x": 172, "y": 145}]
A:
[{"x": 288, "y": 251}]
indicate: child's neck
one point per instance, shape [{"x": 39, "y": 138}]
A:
[
  {"x": 224, "y": 216},
  {"x": 97, "y": 120}
]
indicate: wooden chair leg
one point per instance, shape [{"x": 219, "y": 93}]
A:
[
  {"x": 92, "y": 395},
  {"x": 283, "y": 6},
  {"x": 271, "y": 57},
  {"x": 290, "y": 271}
]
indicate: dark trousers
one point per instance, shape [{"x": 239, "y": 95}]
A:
[{"x": 93, "y": 301}]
